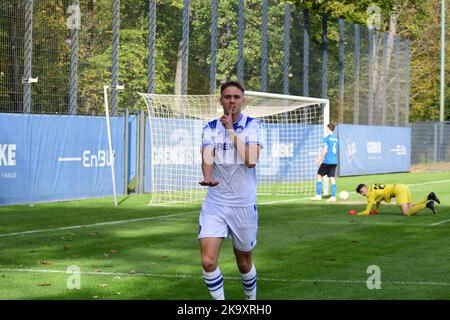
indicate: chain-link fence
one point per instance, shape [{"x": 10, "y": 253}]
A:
[
  {"x": 430, "y": 145},
  {"x": 55, "y": 56}
]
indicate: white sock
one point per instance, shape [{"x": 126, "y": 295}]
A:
[
  {"x": 249, "y": 283},
  {"x": 214, "y": 282}
]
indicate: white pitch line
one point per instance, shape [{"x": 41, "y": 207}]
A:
[
  {"x": 110, "y": 222},
  {"x": 440, "y": 222},
  {"x": 282, "y": 201},
  {"x": 361, "y": 223},
  {"x": 94, "y": 224},
  {"x": 172, "y": 276},
  {"x": 430, "y": 182}
]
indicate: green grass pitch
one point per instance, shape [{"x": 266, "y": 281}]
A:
[{"x": 306, "y": 250}]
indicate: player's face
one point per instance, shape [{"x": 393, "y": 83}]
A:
[
  {"x": 363, "y": 191},
  {"x": 232, "y": 100}
]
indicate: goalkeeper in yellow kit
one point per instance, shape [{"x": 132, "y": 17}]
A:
[{"x": 385, "y": 192}]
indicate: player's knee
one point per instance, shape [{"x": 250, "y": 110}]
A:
[
  {"x": 209, "y": 263},
  {"x": 244, "y": 265}
]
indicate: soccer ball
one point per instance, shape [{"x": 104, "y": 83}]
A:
[{"x": 343, "y": 195}]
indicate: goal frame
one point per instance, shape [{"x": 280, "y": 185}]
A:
[{"x": 150, "y": 97}]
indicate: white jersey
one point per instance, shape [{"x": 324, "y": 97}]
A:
[{"x": 237, "y": 182}]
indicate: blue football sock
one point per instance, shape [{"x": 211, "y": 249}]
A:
[
  {"x": 214, "y": 282},
  {"x": 333, "y": 189},
  {"x": 249, "y": 283},
  {"x": 319, "y": 188}
]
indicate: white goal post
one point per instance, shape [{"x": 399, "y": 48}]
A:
[
  {"x": 110, "y": 147},
  {"x": 294, "y": 127}
]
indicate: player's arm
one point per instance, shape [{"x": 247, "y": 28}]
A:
[
  {"x": 249, "y": 153},
  {"x": 207, "y": 166},
  {"x": 321, "y": 157},
  {"x": 370, "y": 202},
  {"x": 208, "y": 153}
]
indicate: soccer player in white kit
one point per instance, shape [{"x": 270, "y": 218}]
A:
[{"x": 230, "y": 152}]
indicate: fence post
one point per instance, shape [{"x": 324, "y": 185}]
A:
[
  {"x": 396, "y": 81},
  {"x": 185, "y": 47},
  {"x": 324, "y": 56},
  {"x": 306, "y": 52},
  {"x": 407, "y": 82},
  {"x": 341, "y": 70},
  {"x": 287, "y": 26},
  {"x": 151, "y": 46},
  {"x": 28, "y": 56},
  {"x": 371, "y": 73},
  {"x": 74, "y": 45},
  {"x": 213, "y": 67},
  {"x": 241, "y": 32},
  {"x": 384, "y": 81},
  {"x": 356, "y": 89},
  {"x": 265, "y": 9},
  {"x": 115, "y": 58}
]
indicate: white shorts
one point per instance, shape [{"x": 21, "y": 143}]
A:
[{"x": 239, "y": 223}]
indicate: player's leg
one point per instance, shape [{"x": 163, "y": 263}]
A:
[
  {"x": 427, "y": 202},
  {"x": 248, "y": 272},
  {"x": 432, "y": 196},
  {"x": 413, "y": 209},
  {"x": 319, "y": 178},
  {"x": 212, "y": 231},
  {"x": 404, "y": 199},
  {"x": 405, "y": 207},
  {"x": 209, "y": 252},
  {"x": 332, "y": 174},
  {"x": 243, "y": 226},
  {"x": 209, "y": 248}
]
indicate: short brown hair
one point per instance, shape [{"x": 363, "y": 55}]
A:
[
  {"x": 331, "y": 126},
  {"x": 232, "y": 83},
  {"x": 359, "y": 187}
]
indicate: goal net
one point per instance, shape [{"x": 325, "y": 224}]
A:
[{"x": 293, "y": 129}]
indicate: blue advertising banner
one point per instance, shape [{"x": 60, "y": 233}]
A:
[
  {"x": 48, "y": 158},
  {"x": 373, "y": 149}
]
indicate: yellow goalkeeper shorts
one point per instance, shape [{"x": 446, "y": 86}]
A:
[{"x": 402, "y": 194}]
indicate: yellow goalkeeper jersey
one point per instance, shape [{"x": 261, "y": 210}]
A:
[
  {"x": 381, "y": 192},
  {"x": 377, "y": 193}
]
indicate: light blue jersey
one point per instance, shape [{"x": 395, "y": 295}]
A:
[{"x": 331, "y": 142}]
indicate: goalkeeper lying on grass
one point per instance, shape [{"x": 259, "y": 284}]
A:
[{"x": 385, "y": 192}]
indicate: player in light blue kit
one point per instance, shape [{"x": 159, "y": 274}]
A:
[
  {"x": 327, "y": 162},
  {"x": 230, "y": 152}
]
